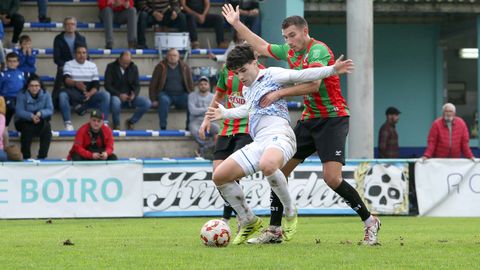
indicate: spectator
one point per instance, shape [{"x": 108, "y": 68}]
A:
[
  {"x": 2, "y": 54},
  {"x": 387, "y": 136},
  {"x": 3, "y": 154},
  {"x": 32, "y": 118},
  {"x": 197, "y": 15},
  {"x": 159, "y": 12},
  {"x": 170, "y": 84},
  {"x": 64, "y": 46},
  {"x": 119, "y": 12},
  {"x": 42, "y": 11},
  {"x": 93, "y": 141},
  {"x": 198, "y": 103},
  {"x": 249, "y": 14},
  {"x": 10, "y": 17},
  {"x": 82, "y": 88},
  {"x": 448, "y": 136},
  {"x": 12, "y": 82},
  {"x": 27, "y": 56},
  {"x": 237, "y": 40},
  {"x": 122, "y": 82}
]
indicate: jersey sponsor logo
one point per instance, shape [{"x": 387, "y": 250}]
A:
[{"x": 236, "y": 100}]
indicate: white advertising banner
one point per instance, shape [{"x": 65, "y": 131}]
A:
[
  {"x": 188, "y": 189},
  {"x": 448, "y": 187},
  {"x": 63, "y": 190}
]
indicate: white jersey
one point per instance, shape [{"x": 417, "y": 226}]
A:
[{"x": 268, "y": 80}]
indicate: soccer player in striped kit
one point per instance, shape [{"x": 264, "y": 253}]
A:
[{"x": 325, "y": 119}]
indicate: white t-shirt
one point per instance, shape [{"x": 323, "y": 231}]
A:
[{"x": 85, "y": 72}]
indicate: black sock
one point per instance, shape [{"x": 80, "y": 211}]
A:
[
  {"x": 352, "y": 198},
  {"x": 227, "y": 211},
  {"x": 276, "y": 209}
]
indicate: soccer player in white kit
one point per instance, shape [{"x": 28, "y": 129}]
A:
[{"x": 273, "y": 138}]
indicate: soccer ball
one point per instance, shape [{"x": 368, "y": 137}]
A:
[{"x": 215, "y": 233}]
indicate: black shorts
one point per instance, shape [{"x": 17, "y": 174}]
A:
[
  {"x": 227, "y": 145},
  {"x": 327, "y": 136}
]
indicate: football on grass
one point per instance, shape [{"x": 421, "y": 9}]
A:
[{"x": 215, "y": 233}]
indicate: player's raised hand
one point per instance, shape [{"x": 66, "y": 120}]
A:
[
  {"x": 231, "y": 15},
  {"x": 344, "y": 66},
  {"x": 214, "y": 114}
]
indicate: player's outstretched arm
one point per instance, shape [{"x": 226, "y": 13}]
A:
[
  {"x": 214, "y": 114},
  {"x": 232, "y": 16},
  {"x": 343, "y": 66},
  {"x": 205, "y": 126}
]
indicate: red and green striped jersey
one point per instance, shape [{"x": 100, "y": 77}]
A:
[
  {"x": 229, "y": 84},
  {"x": 328, "y": 101}
]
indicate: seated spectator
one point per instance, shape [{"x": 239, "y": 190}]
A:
[
  {"x": 122, "y": 82},
  {"x": 3, "y": 154},
  {"x": 2, "y": 54},
  {"x": 197, "y": 15},
  {"x": 64, "y": 46},
  {"x": 448, "y": 136},
  {"x": 170, "y": 84},
  {"x": 82, "y": 88},
  {"x": 12, "y": 82},
  {"x": 42, "y": 11},
  {"x": 198, "y": 103},
  {"x": 27, "y": 56},
  {"x": 10, "y": 17},
  {"x": 159, "y": 12},
  {"x": 387, "y": 135},
  {"x": 93, "y": 141},
  {"x": 32, "y": 118},
  {"x": 119, "y": 12},
  {"x": 249, "y": 14}
]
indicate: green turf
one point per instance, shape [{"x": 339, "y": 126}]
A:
[{"x": 168, "y": 243}]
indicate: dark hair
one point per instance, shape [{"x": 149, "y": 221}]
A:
[
  {"x": 239, "y": 56},
  {"x": 81, "y": 45},
  {"x": 296, "y": 20},
  {"x": 24, "y": 38},
  {"x": 123, "y": 53},
  {"x": 12, "y": 55},
  {"x": 34, "y": 77}
]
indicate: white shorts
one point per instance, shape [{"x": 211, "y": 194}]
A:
[{"x": 276, "y": 136}]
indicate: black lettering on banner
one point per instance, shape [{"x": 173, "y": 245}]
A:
[
  {"x": 474, "y": 183},
  {"x": 453, "y": 182}
]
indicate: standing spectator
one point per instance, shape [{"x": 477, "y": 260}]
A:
[
  {"x": 12, "y": 82},
  {"x": 27, "y": 56},
  {"x": 198, "y": 103},
  {"x": 119, "y": 12},
  {"x": 93, "y": 141},
  {"x": 122, "y": 82},
  {"x": 3, "y": 154},
  {"x": 249, "y": 14},
  {"x": 170, "y": 84},
  {"x": 448, "y": 136},
  {"x": 387, "y": 136},
  {"x": 32, "y": 118},
  {"x": 64, "y": 46},
  {"x": 197, "y": 15},
  {"x": 159, "y": 12},
  {"x": 82, "y": 88},
  {"x": 10, "y": 17}
]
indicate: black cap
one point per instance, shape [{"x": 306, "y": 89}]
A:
[
  {"x": 97, "y": 114},
  {"x": 392, "y": 110}
]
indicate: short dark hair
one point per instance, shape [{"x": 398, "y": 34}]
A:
[
  {"x": 239, "y": 56},
  {"x": 12, "y": 55},
  {"x": 296, "y": 20},
  {"x": 81, "y": 45},
  {"x": 34, "y": 77},
  {"x": 24, "y": 38}
]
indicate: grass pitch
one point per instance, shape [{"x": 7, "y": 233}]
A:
[{"x": 174, "y": 243}]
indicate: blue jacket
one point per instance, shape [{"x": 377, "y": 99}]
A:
[
  {"x": 28, "y": 106},
  {"x": 1, "y": 31},
  {"x": 27, "y": 62},
  {"x": 11, "y": 82}
]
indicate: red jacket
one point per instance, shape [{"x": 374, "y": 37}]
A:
[
  {"x": 439, "y": 140},
  {"x": 83, "y": 140},
  {"x": 108, "y": 3}
]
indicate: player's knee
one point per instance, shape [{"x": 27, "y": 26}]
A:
[
  {"x": 268, "y": 167},
  {"x": 332, "y": 179}
]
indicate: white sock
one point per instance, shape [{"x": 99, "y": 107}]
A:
[
  {"x": 278, "y": 183},
  {"x": 233, "y": 194},
  {"x": 369, "y": 221}
]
